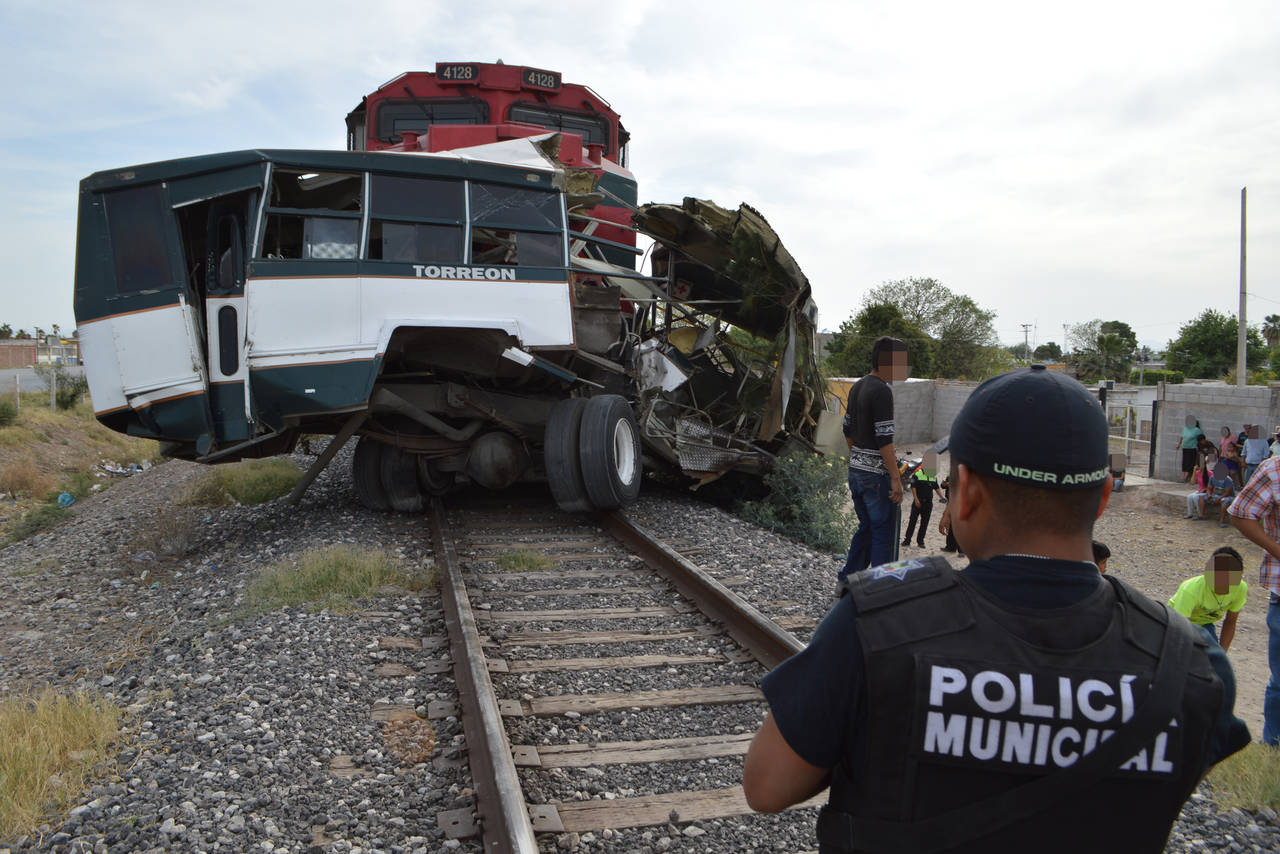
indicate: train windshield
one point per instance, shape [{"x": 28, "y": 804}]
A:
[{"x": 396, "y": 117}]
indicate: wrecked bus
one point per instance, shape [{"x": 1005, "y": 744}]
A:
[{"x": 458, "y": 311}]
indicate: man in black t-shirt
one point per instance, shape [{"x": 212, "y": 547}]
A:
[
  {"x": 873, "y": 463},
  {"x": 993, "y": 708}
]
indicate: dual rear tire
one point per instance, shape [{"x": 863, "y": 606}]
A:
[
  {"x": 592, "y": 453},
  {"x": 387, "y": 478}
]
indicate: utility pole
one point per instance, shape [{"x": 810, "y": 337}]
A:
[
  {"x": 1242, "y": 331},
  {"x": 1064, "y": 342},
  {"x": 1026, "y": 342}
]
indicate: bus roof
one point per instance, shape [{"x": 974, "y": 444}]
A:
[{"x": 518, "y": 161}]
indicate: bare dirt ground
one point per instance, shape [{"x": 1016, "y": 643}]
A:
[{"x": 1155, "y": 549}]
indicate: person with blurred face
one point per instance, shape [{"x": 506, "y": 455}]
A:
[{"x": 874, "y": 483}]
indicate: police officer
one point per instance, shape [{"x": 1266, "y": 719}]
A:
[{"x": 1024, "y": 703}]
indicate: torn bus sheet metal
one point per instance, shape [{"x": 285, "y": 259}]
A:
[{"x": 719, "y": 341}]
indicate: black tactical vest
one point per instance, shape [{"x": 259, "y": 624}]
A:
[{"x": 991, "y": 728}]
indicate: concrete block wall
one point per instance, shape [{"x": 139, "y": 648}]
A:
[
  {"x": 1213, "y": 406},
  {"x": 912, "y": 413},
  {"x": 949, "y": 397}
]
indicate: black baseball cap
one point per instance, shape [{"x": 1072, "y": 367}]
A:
[{"x": 1033, "y": 426}]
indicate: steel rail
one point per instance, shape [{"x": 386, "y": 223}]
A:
[
  {"x": 506, "y": 828},
  {"x": 766, "y": 640}
]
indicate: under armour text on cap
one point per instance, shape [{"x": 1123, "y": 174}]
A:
[{"x": 1033, "y": 426}]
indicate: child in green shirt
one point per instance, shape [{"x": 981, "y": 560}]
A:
[{"x": 1219, "y": 591}]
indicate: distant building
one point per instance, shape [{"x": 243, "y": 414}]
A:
[
  {"x": 52, "y": 350},
  {"x": 17, "y": 352}
]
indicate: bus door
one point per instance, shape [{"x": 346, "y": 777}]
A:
[
  {"x": 149, "y": 335},
  {"x": 213, "y": 211},
  {"x": 225, "y": 322}
]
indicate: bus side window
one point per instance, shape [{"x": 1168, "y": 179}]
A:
[
  {"x": 516, "y": 225},
  {"x": 313, "y": 215}
]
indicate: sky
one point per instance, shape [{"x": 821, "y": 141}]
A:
[{"x": 1055, "y": 162}]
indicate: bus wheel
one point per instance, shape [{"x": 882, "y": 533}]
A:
[
  {"x": 400, "y": 480},
  {"x": 366, "y": 475},
  {"x": 562, "y": 456},
  {"x": 610, "y": 452},
  {"x": 431, "y": 479}
]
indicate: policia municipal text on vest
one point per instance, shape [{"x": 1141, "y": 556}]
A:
[{"x": 981, "y": 751}]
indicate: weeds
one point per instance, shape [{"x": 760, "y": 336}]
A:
[
  {"x": 69, "y": 389},
  {"x": 246, "y": 482},
  {"x": 1249, "y": 779},
  {"x": 49, "y": 747},
  {"x": 169, "y": 533},
  {"x": 23, "y": 478},
  {"x": 524, "y": 559},
  {"x": 807, "y": 501},
  {"x": 8, "y": 412},
  {"x": 42, "y": 518},
  {"x": 333, "y": 578}
]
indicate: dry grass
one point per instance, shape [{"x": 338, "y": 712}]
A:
[
  {"x": 23, "y": 478},
  {"x": 245, "y": 482},
  {"x": 50, "y": 745},
  {"x": 47, "y": 450},
  {"x": 524, "y": 559},
  {"x": 170, "y": 533},
  {"x": 335, "y": 578},
  {"x": 1249, "y": 779}
]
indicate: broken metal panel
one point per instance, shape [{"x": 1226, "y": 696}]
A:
[
  {"x": 709, "y": 450},
  {"x": 655, "y": 369}
]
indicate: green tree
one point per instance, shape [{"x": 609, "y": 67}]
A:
[
  {"x": 1047, "y": 352},
  {"x": 1103, "y": 349},
  {"x": 1206, "y": 346},
  {"x": 919, "y": 300},
  {"x": 849, "y": 350},
  {"x": 966, "y": 337},
  {"x": 1271, "y": 329},
  {"x": 1021, "y": 352},
  {"x": 22, "y": 335},
  {"x": 6, "y": 331}
]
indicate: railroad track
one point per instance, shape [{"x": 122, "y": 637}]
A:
[{"x": 556, "y": 667}]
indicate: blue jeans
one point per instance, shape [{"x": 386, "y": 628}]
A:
[
  {"x": 1249, "y": 469},
  {"x": 872, "y": 543},
  {"x": 1271, "y": 696}
]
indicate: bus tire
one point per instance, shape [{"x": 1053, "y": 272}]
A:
[
  {"x": 366, "y": 475},
  {"x": 400, "y": 480},
  {"x": 562, "y": 455},
  {"x": 431, "y": 479},
  {"x": 610, "y": 452}
]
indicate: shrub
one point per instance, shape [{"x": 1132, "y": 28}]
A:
[
  {"x": 1152, "y": 376},
  {"x": 808, "y": 501},
  {"x": 70, "y": 387},
  {"x": 246, "y": 482},
  {"x": 333, "y": 578},
  {"x": 49, "y": 746},
  {"x": 42, "y": 518},
  {"x": 8, "y": 412}
]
